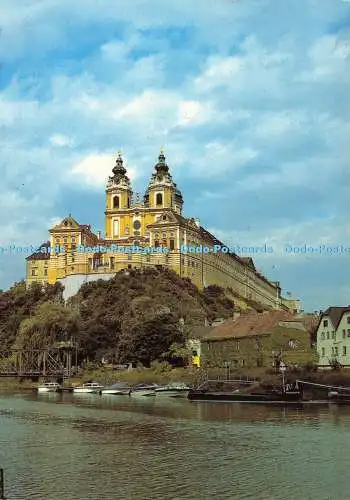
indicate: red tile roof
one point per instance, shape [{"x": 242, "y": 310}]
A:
[{"x": 250, "y": 324}]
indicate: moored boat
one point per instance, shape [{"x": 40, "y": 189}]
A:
[
  {"x": 117, "y": 389},
  {"x": 88, "y": 388},
  {"x": 144, "y": 390},
  {"x": 174, "y": 390},
  {"x": 49, "y": 387}
]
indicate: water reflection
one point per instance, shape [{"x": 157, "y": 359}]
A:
[
  {"x": 126, "y": 448},
  {"x": 181, "y": 408}
]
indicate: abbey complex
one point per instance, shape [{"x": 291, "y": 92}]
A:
[{"x": 75, "y": 255}]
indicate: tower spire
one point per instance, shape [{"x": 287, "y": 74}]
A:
[{"x": 119, "y": 168}]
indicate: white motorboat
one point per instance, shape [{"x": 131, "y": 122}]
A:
[
  {"x": 144, "y": 390},
  {"x": 117, "y": 389},
  {"x": 49, "y": 387},
  {"x": 88, "y": 388},
  {"x": 174, "y": 390}
]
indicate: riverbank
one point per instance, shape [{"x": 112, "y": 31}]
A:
[{"x": 163, "y": 374}]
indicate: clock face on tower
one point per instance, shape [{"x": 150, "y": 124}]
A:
[{"x": 137, "y": 224}]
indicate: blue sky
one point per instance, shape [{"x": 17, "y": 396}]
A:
[{"x": 250, "y": 99}]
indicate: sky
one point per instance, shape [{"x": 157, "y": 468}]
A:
[{"x": 249, "y": 98}]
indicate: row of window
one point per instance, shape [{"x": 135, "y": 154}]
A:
[
  {"x": 116, "y": 201},
  {"x": 35, "y": 271},
  {"x": 327, "y": 335},
  {"x": 335, "y": 351},
  {"x": 59, "y": 241}
]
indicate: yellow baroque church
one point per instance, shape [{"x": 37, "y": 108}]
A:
[{"x": 75, "y": 255}]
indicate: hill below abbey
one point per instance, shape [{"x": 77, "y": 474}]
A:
[{"x": 137, "y": 316}]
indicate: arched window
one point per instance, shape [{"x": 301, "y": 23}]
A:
[
  {"x": 159, "y": 199},
  {"x": 116, "y": 202}
]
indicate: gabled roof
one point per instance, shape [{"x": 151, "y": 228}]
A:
[
  {"x": 335, "y": 314},
  {"x": 38, "y": 255},
  {"x": 250, "y": 325},
  {"x": 67, "y": 223}
]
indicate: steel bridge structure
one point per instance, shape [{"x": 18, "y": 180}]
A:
[{"x": 50, "y": 362}]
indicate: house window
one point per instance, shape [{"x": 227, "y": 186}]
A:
[
  {"x": 325, "y": 322},
  {"x": 111, "y": 262},
  {"x": 344, "y": 334},
  {"x": 336, "y": 350},
  {"x": 172, "y": 244},
  {"x": 344, "y": 350},
  {"x": 348, "y": 332},
  {"x": 348, "y": 319},
  {"x": 156, "y": 243},
  {"x": 237, "y": 345},
  {"x": 323, "y": 352},
  {"x": 45, "y": 272},
  {"x": 34, "y": 272},
  {"x": 159, "y": 199},
  {"x": 333, "y": 334},
  {"x": 322, "y": 336},
  {"x": 327, "y": 335},
  {"x": 293, "y": 344}
]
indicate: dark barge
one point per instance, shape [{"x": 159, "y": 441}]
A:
[{"x": 294, "y": 395}]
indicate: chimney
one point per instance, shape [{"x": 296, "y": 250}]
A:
[
  {"x": 198, "y": 224},
  {"x": 98, "y": 235}
]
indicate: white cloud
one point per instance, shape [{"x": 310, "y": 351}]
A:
[
  {"x": 219, "y": 72},
  {"x": 149, "y": 105},
  {"x": 60, "y": 140},
  {"x": 94, "y": 170},
  {"x": 194, "y": 112}
]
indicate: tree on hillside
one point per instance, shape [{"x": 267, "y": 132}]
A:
[
  {"x": 147, "y": 341},
  {"x": 51, "y": 323},
  {"x": 19, "y": 303}
]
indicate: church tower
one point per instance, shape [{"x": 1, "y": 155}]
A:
[
  {"x": 162, "y": 191},
  {"x": 118, "y": 200}
]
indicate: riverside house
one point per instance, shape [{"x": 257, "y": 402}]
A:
[
  {"x": 333, "y": 337},
  {"x": 258, "y": 340}
]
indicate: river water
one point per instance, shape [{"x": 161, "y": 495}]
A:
[{"x": 86, "y": 447}]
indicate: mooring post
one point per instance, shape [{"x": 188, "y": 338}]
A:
[{"x": 2, "y": 494}]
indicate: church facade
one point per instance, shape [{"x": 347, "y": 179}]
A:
[{"x": 148, "y": 232}]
